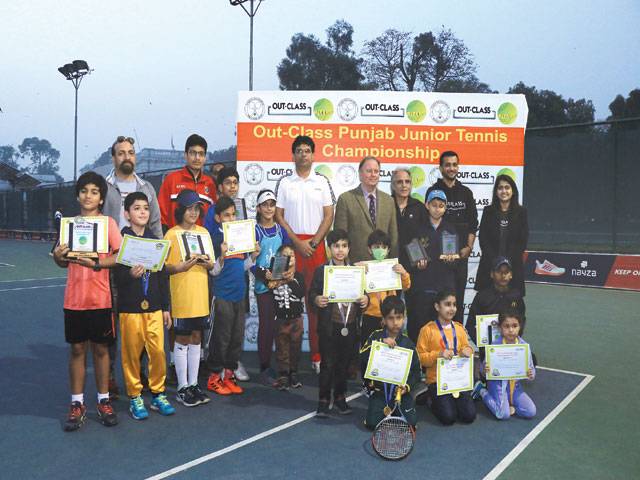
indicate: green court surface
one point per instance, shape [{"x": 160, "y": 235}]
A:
[{"x": 584, "y": 330}]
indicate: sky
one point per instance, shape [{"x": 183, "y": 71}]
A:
[{"x": 165, "y": 69}]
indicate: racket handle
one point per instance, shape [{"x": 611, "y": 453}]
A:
[{"x": 398, "y": 394}]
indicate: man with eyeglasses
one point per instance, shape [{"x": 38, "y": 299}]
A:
[{"x": 191, "y": 177}]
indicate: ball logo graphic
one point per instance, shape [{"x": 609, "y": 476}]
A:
[
  {"x": 508, "y": 172},
  {"x": 254, "y": 108},
  {"x": 417, "y": 176},
  {"x": 250, "y": 199},
  {"x": 253, "y": 174},
  {"x": 507, "y": 113},
  {"x": 346, "y": 175},
  {"x": 347, "y": 109},
  {"x": 416, "y": 111},
  {"x": 323, "y": 109},
  {"x": 434, "y": 175},
  {"x": 324, "y": 170},
  {"x": 440, "y": 111}
]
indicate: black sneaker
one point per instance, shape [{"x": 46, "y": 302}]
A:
[
  {"x": 342, "y": 406},
  {"x": 199, "y": 394},
  {"x": 294, "y": 381},
  {"x": 323, "y": 410},
  {"x": 186, "y": 396},
  {"x": 76, "y": 418},
  {"x": 171, "y": 378},
  {"x": 282, "y": 383},
  {"x": 106, "y": 413}
]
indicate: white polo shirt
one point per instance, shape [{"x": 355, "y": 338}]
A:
[{"x": 303, "y": 200}]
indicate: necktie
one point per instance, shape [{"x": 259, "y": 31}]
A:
[{"x": 372, "y": 208}]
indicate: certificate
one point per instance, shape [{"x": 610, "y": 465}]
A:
[
  {"x": 507, "y": 361},
  {"x": 85, "y": 236},
  {"x": 195, "y": 244},
  {"x": 487, "y": 331},
  {"x": 279, "y": 265},
  {"x": 343, "y": 284},
  {"x": 240, "y": 236},
  {"x": 455, "y": 375},
  {"x": 148, "y": 252},
  {"x": 389, "y": 365},
  {"x": 380, "y": 276}
]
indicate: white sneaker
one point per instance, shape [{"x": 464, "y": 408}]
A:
[
  {"x": 548, "y": 268},
  {"x": 241, "y": 373},
  {"x": 315, "y": 366}
]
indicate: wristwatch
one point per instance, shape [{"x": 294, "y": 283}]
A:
[
  {"x": 97, "y": 267},
  {"x": 313, "y": 244}
]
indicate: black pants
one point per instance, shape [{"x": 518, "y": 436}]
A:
[
  {"x": 369, "y": 325},
  {"x": 225, "y": 345},
  {"x": 420, "y": 311},
  {"x": 461, "y": 270},
  {"x": 336, "y": 353},
  {"x": 448, "y": 409}
]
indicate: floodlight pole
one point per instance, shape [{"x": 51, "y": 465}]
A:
[{"x": 253, "y": 9}]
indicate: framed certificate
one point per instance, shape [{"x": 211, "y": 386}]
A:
[
  {"x": 507, "y": 361},
  {"x": 380, "y": 277},
  {"x": 240, "y": 236},
  {"x": 241, "y": 208},
  {"x": 343, "y": 284},
  {"x": 195, "y": 244},
  {"x": 279, "y": 265},
  {"x": 148, "y": 252},
  {"x": 487, "y": 331},
  {"x": 85, "y": 236},
  {"x": 417, "y": 250},
  {"x": 389, "y": 365},
  {"x": 449, "y": 245},
  {"x": 455, "y": 375}
]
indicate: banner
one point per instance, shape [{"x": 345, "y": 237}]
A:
[{"x": 408, "y": 129}]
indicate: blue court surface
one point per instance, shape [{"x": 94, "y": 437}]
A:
[{"x": 261, "y": 434}]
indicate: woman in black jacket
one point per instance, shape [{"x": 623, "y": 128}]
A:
[{"x": 504, "y": 232}]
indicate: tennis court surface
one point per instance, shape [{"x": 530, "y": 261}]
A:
[{"x": 585, "y": 427}]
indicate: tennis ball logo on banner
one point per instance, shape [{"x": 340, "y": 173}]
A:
[
  {"x": 508, "y": 172},
  {"x": 323, "y": 109},
  {"x": 324, "y": 170},
  {"x": 507, "y": 113},
  {"x": 418, "y": 178},
  {"x": 416, "y": 111}
]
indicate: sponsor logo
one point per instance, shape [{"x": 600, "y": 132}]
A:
[
  {"x": 440, "y": 111},
  {"x": 546, "y": 268},
  {"x": 250, "y": 199},
  {"x": 382, "y": 110},
  {"x": 476, "y": 176},
  {"x": 416, "y": 111},
  {"x": 507, "y": 171},
  {"x": 474, "y": 112},
  {"x": 254, "y": 108},
  {"x": 584, "y": 270},
  {"x": 417, "y": 176},
  {"x": 347, "y": 109},
  {"x": 434, "y": 175},
  {"x": 325, "y": 170},
  {"x": 346, "y": 175},
  {"x": 289, "y": 108},
  {"x": 482, "y": 202},
  {"x": 323, "y": 109},
  {"x": 507, "y": 113},
  {"x": 251, "y": 331},
  {"x": 253, "y": 174},
  {"x": 275, "y": 174}
]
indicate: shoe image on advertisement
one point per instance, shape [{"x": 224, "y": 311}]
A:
[
  {"x": 241, "y": 373},
  {"x": 76, "y": 418},
  {"x": 549, "y": 269},
  {"x": 106, "y": 413}
]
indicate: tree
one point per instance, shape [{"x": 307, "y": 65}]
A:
[
  {"x": 465, "y": 85},
  {"x": 9, "y": 156},
  {"x": 311, "y": 65},
  {"x": 625, "y": 108},
  {"x": 396, "y": 61},
  {"x": 547, "y": 107},
  {"x": 42, "y": 156}
]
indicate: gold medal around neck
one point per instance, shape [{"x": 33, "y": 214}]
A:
[
  {"x": 512, "y": 410},
  {"x": 456, "y": 394},
  {"x": 387, "y": 410},
  {"x": 144, "y": 304}
]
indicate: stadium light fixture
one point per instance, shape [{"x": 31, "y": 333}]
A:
[
  {"x": 75, "y": 72},
  {"x": 254, "y": 5}
]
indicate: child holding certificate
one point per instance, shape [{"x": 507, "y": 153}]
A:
[
  {"x": 337, "y": 324},
  {"x": 189, "y": 286},
  {"x": 87, "y": 307},
  {"x": 444, "y": 338},
  {"x": 505, "y": 398},
  {"x": 143, "y": 308},
  {"x": 381, "y": 394},
  {"x": 378, "y": 246}
]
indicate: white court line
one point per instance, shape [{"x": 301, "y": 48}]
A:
[
  {"x": 235, "y": 446},
  {"x": 31, "y": 288},
  {"x": 31, "y": 279},
  {"x": 2, "y": 264},
  {"x": 524, "y": 443}
]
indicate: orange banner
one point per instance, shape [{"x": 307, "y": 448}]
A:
[{"x": 404, "y": 144}]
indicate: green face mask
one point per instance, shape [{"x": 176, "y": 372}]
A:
[{"x": 379, "y": 253}]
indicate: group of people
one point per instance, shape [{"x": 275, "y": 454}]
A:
[{"x": 302, "y": 220}]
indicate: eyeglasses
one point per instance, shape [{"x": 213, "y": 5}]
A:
[
  {"x": 121, "y": 139},
  {"x": 195, "y": 153}
]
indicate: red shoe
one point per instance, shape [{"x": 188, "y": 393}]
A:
[
  {"x": 230, "y": 382},
  {"x": 76, "y": 418},
  {"x": 215, "y": 385}
]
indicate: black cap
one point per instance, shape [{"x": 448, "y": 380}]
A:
[{"x": 502, "y": 261}]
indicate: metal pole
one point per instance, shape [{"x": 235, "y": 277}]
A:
[
  {"x": 614, "y": 209},
  {"x": 75, "y": 139},
  {"x": 251, "y": 47}
]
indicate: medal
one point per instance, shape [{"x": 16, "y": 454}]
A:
[
  {"x": 456, "y": 394},
  {"x": 387, "y": 410},
  {"x": 388, "y": 396},
  {"x": 345, "y": 318},
  {"x": 344, "y": 332},
  {"x": 144, "y": 304},
  {"x": 512, "y": 410}
]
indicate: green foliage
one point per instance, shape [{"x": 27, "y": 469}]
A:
[
  {"x": 42, "y": 157},
  {"x": 9, "y": 156},
  {"x": 465, "y": 85},
  {"x": 625, "y": 107}
]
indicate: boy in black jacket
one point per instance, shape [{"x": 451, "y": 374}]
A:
[
  {"x": 143, "y": 306},
  {"x": 337, "y": 324}
]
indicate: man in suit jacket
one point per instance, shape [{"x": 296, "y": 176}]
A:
[{"x": 364, "y": 209}]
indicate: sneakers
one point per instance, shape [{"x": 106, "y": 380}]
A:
[
  {"x": 114, "y": 390},
  {"x": 267, "y": 377},
  {"x": 187, "y": 397},
  {"x": 106, "y": 413},
  {"x": 294, "y": 381},
  {"x": 477, "y": 390},
  {"x": 161, "y": 404},
  {"x": 315, "y": 363},
  {"x": 77, "y": 416},
  {"x": 342, "y": 406},
  {"x": 229, "y": 381},
  {"x": 171, "y": 379},
  {"x": 214, "y": 384},
  {"x": 136, "y": 408},
  {"x": 240, "y": 373},
  {"x": 282, "y": 384},
  {"x": 548, "y": 268},
  {"x": 199, "y": 394},
  {"x": 323, "y": 409}
]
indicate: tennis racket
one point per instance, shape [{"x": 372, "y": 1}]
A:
[{"x": 393, "y": 438}]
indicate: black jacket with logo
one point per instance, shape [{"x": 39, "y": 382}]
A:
[
  {"x": 489, "y": 302},
  {"x": 461, "y": 208}
]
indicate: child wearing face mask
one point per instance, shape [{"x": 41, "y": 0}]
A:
[{"x": 378, "y": 246}]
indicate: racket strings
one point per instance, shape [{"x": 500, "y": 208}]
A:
[{"x": 393, "y": 438}]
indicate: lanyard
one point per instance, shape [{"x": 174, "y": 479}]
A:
[
  {"x": 345, "y": 318},
  {"x": 389, "y": 389},
  {"x": 444, "y": 337},
  {"x": 512, "y": 383},
  {"x": 145, "y": 283}
]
